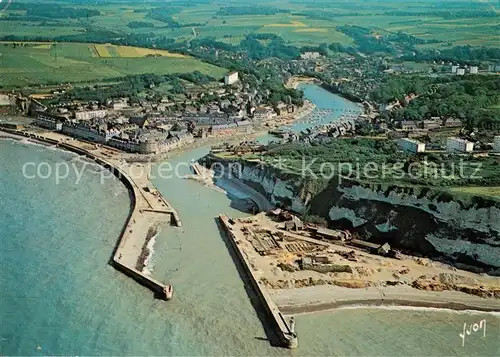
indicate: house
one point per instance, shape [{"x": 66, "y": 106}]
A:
[
  {"x": 434, "y": 123},
  {"x": 408, "y": 125},
  {"x": 473, "y": 70},
  {"x": 452, "y": 123},
  {"x": 461, "y": 72},
  {"x": 459, "y": 145}
]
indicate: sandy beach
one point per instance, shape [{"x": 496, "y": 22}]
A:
[{"x": 326, "y": 297}]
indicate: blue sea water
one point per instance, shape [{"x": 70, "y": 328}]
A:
[{"x": 59, "y": 295}]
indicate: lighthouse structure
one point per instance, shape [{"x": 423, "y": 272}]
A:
[{"x": 293, "y": 340}]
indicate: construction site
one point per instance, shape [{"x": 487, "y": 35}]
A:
[{"x": 307, "y": 267}]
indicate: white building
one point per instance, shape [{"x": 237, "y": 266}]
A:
[
  {"x": 411, "y": 145},
  {"x": 90, "y": 114},
  {"x": 454, "y": 69},
  {"x": 461, "y": 72},
  {"x": 473, "y": 70},
  {"x": 459, "y": 145},
  {"x": 231, "y": 78},
  {"x": 496, "y": 144},
  {"x": 310, "y": 55}
]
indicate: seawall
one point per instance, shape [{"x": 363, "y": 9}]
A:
[
  {"x": 125, "y": 267},
  {"x": 286, "y": 337}
]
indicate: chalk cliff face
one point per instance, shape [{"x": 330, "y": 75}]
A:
[{"x": 430, "y": 222}]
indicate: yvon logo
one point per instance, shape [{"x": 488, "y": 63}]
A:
[{"x": 473, "y": 328}]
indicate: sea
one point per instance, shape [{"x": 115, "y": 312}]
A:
[{"x": 60, "y": 296}]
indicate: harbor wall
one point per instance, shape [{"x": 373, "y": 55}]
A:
[
  {"x": 285, "y": 336},
  {"x": 148, "y": 282}
]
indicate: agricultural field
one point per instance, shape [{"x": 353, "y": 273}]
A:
[
  {"x": 107, "y": 50},
  {"x": 455, "y": 22},
  {"x": 47, "y": 63}
]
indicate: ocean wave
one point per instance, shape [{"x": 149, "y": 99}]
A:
[{"x": 148, "y": 262}]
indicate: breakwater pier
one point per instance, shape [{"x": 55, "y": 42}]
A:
[
  {"x": 285, "y": 330},
  {"x": 148, "y": 208}
]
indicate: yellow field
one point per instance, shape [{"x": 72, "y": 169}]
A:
[
  {"x": 44, "y": 46},
  {"x": 41, "y": 96},
  {"x": 102, "y": 50},
  {"x": 130, "y": 52},
  {"x": 127, "y": 51},
  {"x": 311, "y": 29},
  {"x": 481, "y": 191},
  {"x": 291, "y": 24}
]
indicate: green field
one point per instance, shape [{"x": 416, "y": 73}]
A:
[
  {"x": 318, "y": 21},
  {"x": 76, "y": 62}
]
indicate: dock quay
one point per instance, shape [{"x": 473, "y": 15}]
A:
[
  {"x": 148, "y": 208},
  {"x": 284, "y": 330}
]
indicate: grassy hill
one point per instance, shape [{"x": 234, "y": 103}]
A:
[{"x": 46, "y": 63}]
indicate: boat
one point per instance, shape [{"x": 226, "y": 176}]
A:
[{"x": 168, "y": 292}]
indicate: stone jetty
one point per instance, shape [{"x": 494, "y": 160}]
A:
[{"x": 285, "y": 330}]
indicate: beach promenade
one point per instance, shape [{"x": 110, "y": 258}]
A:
[{"x": 148, "y": 208}]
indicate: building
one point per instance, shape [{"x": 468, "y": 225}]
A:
[
  {"x": 473, "y": 70},
  {"x": 49, "y": 121},
  {"x": 494, "y": 68},
  {"x": 325, "y": 233},
  {"x": 408, "y": 125},
  {"x": 310, "y": 55},
  {"x": 295, "y": 224},
  {"x": 433, "y": 123},
  {"x": 263, "y": 113},
  {"x": 496, "y": 144},
  {"x": 459, "y": 145},
  {"x": 6, "y": 104},
  {"x": 90, "y": 114},
  {"x": 452, "y": 123},
  {"x": 89, "y": 132},
  {"x": 411, "y": 145},
  {"x": 384, "y": 249},
  {"x": 241, "y": 127},
  {"x": 454, "y": 69},
  {"x": 461, "y": 72},
  {"x": 231, "y": 78}
]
